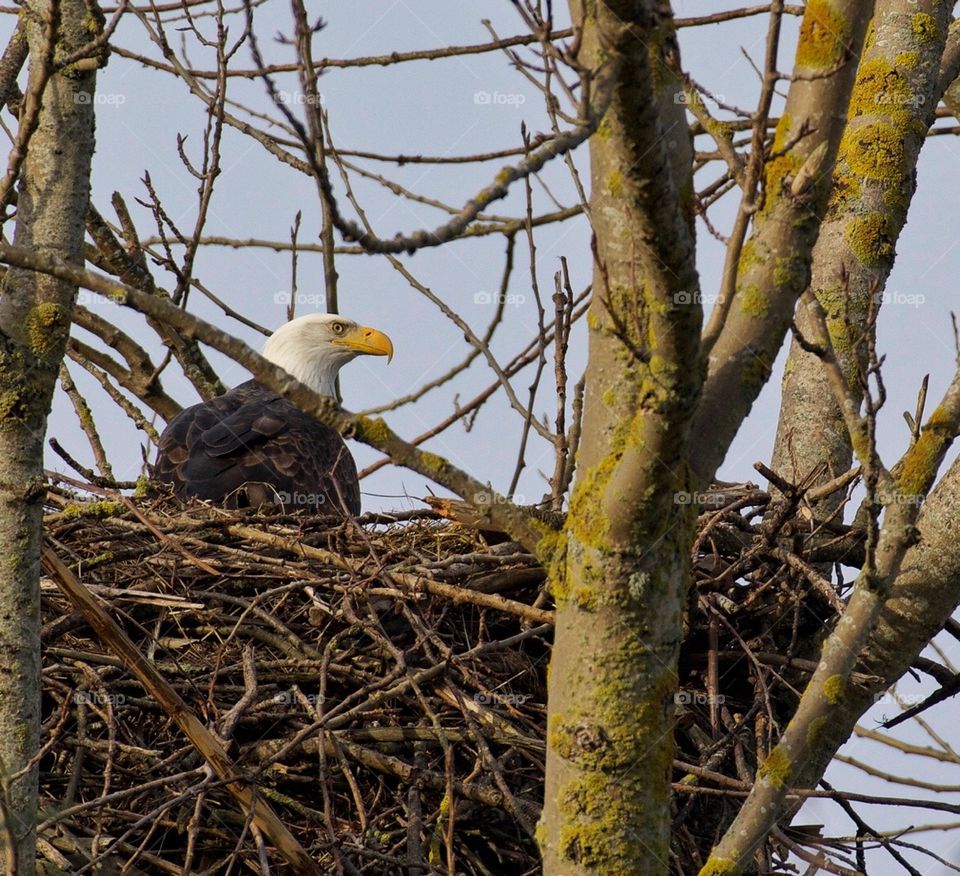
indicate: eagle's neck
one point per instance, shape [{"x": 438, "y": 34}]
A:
[{"x": 314, "y": 367}]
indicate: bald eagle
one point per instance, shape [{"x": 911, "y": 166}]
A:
[{"x": 251, "y": 447}]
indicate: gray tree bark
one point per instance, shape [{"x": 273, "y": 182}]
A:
[
  {"x": 873, "y": 186},
  {"x": 34, "y": 324},
  {"x": 621, "y": 581}
]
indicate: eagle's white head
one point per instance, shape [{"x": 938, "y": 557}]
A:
[{"x": 315, "y": 347}]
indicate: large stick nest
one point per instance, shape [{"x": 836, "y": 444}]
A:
[{"x": 381, "y": 686}]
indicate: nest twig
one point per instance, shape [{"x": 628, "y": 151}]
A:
[
  {"x": 353, "y": 690},
  {"x": 378, "y": 689}
]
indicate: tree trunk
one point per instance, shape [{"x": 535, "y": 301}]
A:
[
  {"x": 873, "y": 186},
  {"x": 34, "y": 325},
  {"x": 621, "y": 586}
]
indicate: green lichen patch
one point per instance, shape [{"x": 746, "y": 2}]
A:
[
  {"x": 434, "y": 466},
  {"x": 753, "y": 302},
  {"x": 587, "y": 520},
  {"x": 22, "y": 398},
  {"x": 832, "y": 299},
  {"x": 833, "y": 689},
  {"x": 824, "y": 36},
  {"x": 860, "y": 444},
  {"x": 720, "y": 867},
  {"x": 631, "y": 299},
  {"x": 12, "y": 407},
  {"x": 875, "y": 151},
  {"x": 870, "y": 239},
  {"x": 615, "y": 184},
  {"x": 748, "y": 257},
  {"x": 540, "y": 834},
  {"x": 551, "y": 549},
  {"x": 603, "y": 742},
  {"x": 782, "y": 166},
  {"x": 93, "y": 510},
  {"x": 845, "y": 192},
  {"x": 584, "y": 597},
  {"x": 779, "y": 172},
  {"x": 776, "y": 769},
  {"x": 373, "y": 431},
  {"x": 790, "y": 274},
  {"x": 47, "y": 326},
  {"x": 924, "y": 27},
  {"x": 881, "y": 89},
  {"x": 600, "y": 837},
  {"x": 560, "y": 736},
  {"x": 920, "y": 465},
  {"x": 907, "y": 60}
]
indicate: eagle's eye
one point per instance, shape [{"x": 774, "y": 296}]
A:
[{"x": 338, "y": 328}]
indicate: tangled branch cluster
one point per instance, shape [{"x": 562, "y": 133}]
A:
[{"x": 382, "y": 686}]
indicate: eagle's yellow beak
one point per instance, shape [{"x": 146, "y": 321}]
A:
[{"x": 368, "y": 341}]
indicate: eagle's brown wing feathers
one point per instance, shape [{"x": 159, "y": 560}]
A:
[{"x": 251, "y": 447}]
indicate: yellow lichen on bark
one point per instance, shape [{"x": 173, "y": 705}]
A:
[
  {"x": 919, "y": 468},
  {"x": 47, "y": 326},
  {"x": 868, "y": 237},
  {"x": 924, "y": 27},
  {"x": 716, "y": 866},
  {"x": 776, "y": 768},
  {"x": 875, "y": 151},
  {"x": 824, "y": 36},
  {"x": 753, "y": 302},
  {"x": 833, "y": 689}
]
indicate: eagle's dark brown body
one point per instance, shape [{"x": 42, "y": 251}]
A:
[{"x": 251, "y": 447}]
